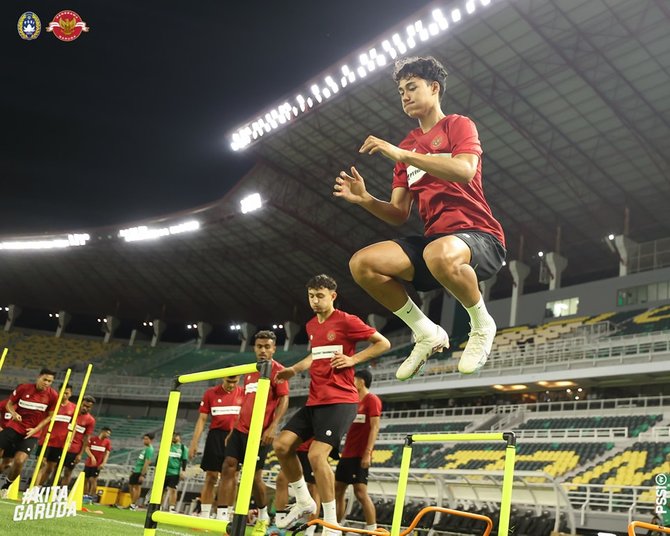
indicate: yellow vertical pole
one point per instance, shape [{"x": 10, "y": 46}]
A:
[
  {"x": 508, "y": 479},
  {"x": 402, "y": 486},
  {"x": 2, "y": 357},
  {"x": 72, "y": 427},
  {"x": 161, "y": 464},
  {"x": 51, "y": 425}
]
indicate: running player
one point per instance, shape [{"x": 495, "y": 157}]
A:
[
  {"x": 57, "y": 438},
  {"x": 83, "y": 431},
  {"x": 332, "y": 402},
  {"x": 439, "y": 166}
]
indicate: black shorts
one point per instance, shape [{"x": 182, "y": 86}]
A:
[
  {"x": 326, "y": 423},
  {"x": 349, "y": 471},
  {"x": 171, "y": 481},
  {"x": 134, "y": 479},
  {"x": 487, "y": 255},
  {"x": 12, "y": 442},
  {"x": 303, "y": 456},
  {"x": 69, "y": 460},
  {"x": 91, "y": 472},
  {"x": 215, "y": 450},
  {"x": 52, "y": 454},
  {"x": 237, "y": 446}
]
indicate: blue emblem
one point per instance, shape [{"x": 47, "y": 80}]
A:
[{"x": 29, "y": 26}]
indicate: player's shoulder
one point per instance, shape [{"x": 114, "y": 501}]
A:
[{"x": 277, "y": 366}]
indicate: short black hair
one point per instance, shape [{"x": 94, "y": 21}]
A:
[
  {"x": 89, "y": 398},
  {"x": 365, "y": 375},
  {"x": 68, "y": 386},
  {"x": 106, "y": 428},
  {"x": 176, "y": 433},
  {"x": 150, "y": 435},
  {"x": 322, "y": 281},
  {"x": 46, "y": 370},
  {"x": 266, "y": 334},
  {"x": 427, "y": 68}
]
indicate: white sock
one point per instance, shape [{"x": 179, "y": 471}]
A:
[
  {"x": 205, "y": 510},
  {"x": 222, "y": 512},
  {"x": 309, "y": 531},
  {"x": 329, "y": 512},
  {"x": 413, "y": 316},
  {"x": 300, "y": 490},
  {"x": 371, "y": 527},
  {"x": 479, "y": 316},
  {"x": 173, "y": 508},
  {"x": 263, "y": 514}
]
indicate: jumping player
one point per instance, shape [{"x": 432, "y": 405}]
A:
[
  {"x": 332, "y": 402},
  {"x": 439, "y": 166}
]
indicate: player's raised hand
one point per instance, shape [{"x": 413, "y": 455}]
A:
[
  {"x": 350, "y": 187},
  {"x": 374, "y": 145}
]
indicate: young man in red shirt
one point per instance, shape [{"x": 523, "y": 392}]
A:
[
  {"x": 439, "y": 166},
  {"x": 57, "y": 438},
  {"x": 332, "y": 401},
  {"x": 99, "y": 446},
  {"x": 30, "y": 406},
  {"x": 265, "y": 346},
  {"x": 83, "y": 431},
  {"x": 223, "y": 403},
  {"x": 5, "y": 417},
  {"x": 356, "y": 456}
]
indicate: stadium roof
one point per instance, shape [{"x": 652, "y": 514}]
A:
[{"x": 571, "y": 102}]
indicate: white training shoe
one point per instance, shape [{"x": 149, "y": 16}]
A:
[
  {"x": 477, "y": 349},
  {"x": 297, "y": 512},
  {"x": 423, "y": 349},
  {"x": 331, "y": 532}
]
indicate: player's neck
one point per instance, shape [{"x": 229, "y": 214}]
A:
[
  {"x": 322, "y": 317},
  {"x": 432, "y": 118},
  {"x": 362, "y": 394}
]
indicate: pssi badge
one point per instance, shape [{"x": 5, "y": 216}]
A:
[
  {"x": 29, "y": 26},
  {"x": 67, "y": 25}
]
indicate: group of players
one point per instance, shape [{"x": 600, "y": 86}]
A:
[
  {"x": 24, "y": 419},
  {"x": 438, "y": 165}
]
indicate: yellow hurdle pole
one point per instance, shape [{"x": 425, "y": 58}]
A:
[
  {"x": 402, "y": 486},
  {"x": 72, "y": 427},
  {"x": 251, "y": 452},
  {"x": 218, "y": 526},
  {"x": 51, "y": 425},
  {"x": 2, "y": 357},
  {"x": 217, "y": 374},
  {"x": 508, "y": 479},
  {"x": 416, "y": 438},
  {"x": 150, "y": 523}
]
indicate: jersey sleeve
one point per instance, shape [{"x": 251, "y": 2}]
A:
[
  {"x": 400, "y": 175},
  {"x": 375, "y": 406},
  {"x": 109, "y": 445},
  {"x": 204, "y": 403},
  {"x": 90, "y": 426},
  {"x": 358, "y": 330},
  {"x": 280, "y": 388},
  {"x": 53, "y": 400},
  {"x": 16, "y": 395},
  {"x": 464, "y": 137}
]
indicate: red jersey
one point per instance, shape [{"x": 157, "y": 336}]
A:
[
  {"x": 447, "y": 206},
  {"x": 224, "y": 407},
  {"x": 359, "y": 431},
  {"x": 277, "y": 390},
  {"x": 85, "y": 426},
  {"x": 99, "y": 447},
  {"x": 61, "y": 422},
  {"x": 5, "y": 416},
  {"x": 32, "y": 405},
  {"x": 338, "y": 333}
]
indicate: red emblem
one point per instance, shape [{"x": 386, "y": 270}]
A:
[
  {"x": 437, "y": 141},
  {"x": 67, "y": 25},
  {"x": 330, "y": 336}
]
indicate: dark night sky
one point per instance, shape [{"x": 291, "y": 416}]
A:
[{"x": 131, "y": 120}]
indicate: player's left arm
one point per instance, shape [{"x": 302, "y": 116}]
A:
[
  {"x": 378, "y": 345},
  {"x": 42, "y": 424},
  {"x": 459, "y": 168},
  {"x": 269, "y": 434},
  {"x": 366, "y": 459},
  {"x": 84, "y": 449}
]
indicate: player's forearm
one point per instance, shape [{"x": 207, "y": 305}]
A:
[
  {"x": 11, "y": 408},
  {"x": 302, "y": 365},
  {"x": 377, "y": 348},
  {"x": 384, "y": 210},
  {"x": 43, "y": 423},
  {"x": 280, "y": 411},
  {"x": 372, "y": 436},
  {"x": 442, "y": 167},
  {"x": 199, "y": 427},
  {"x": 104, "y": 460}
]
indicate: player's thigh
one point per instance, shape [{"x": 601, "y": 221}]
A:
[
  {"x": 386, "y": 258},
  {"x": 447, "y": 251}
]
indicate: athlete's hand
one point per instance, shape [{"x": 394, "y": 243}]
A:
[
  {"x": 16, "y": 417},
  {"x": 31, "y": 432},
  {"x": 77, "y": 459},
  {"x": 373, "y": 145},
  {"x": 268, "y": 436},
  {"x": 350, "y": 187},
  {"x": 225, "y": 441},
  {"x": 366, "y": 460},
  {"x": 192, "y": 452},
  {"x": 340, "y": 360},
  {"x": 286, "y": 374}
]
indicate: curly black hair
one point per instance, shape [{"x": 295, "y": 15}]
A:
[{"x": 427, "y": 68}]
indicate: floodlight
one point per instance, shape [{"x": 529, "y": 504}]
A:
[
  {"x": 402, "y": 48},
  {"x": 456, "y": 15},
  {"x": 540, "y": 254},
  {"x": 504, "y": 263},
  {"x": 351, "y": 77},
  {"x": 188, "y": 326},
  {"x": 411, "y": 43},
  {"x": 470, "y": 6},
  {"x": 396, "y": 38},
  {"x": 274, "y": 326},
  {"x": 363, "y": 58},
  {"x": 99, "y": 319},
  {"x": 610, "y": 236},
  {"x": 410, "y": 30},
  {"x": 372, "y": 53},
  {"x": 250, "y": 203},
  {"x": 104, "y": 320},
  {"x": 6, "y": 308},
  {"x": 326, "y": 92},
  {"x": 386, "y": 45},
  {"x": 418, "y": 25},
  {"x": 423, "y": 35},
  {"x": 343, "y": 81},
  {"x": 151, "y": 324},
  {"x": 381, "y": 60},
  {"x": 433, "y": 28},
  {"x": 345, "y": 70},
  {"x": 361, "y": 71},
  {"x": 485, "y": 2},
  {"x": 310, "y": 102}
]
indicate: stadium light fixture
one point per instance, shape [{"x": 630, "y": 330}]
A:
[
  {"x": 540, "y": 254},
  {"x": 70, "y": 240},
  {"x": 250, "y": 203},
  {"x": 610, "y": 237},
  {"x": 456, "y": 15},
  {"x": 470, "y": 6},
  {"x": 142, "y": 232},
  {"x": 6, "y": 309},
  {"x": 485, "y": 2}
]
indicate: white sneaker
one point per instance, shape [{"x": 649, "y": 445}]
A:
[
  {"x": 331, "y": 532},
  {"x": 297, "y": 512},
  {"x": 477, "y": 349},
  {"x": 423, "y": 349}
]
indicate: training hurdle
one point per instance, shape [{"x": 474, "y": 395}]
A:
[
  {"x": 508, "y": 475},
  {"x": 238, "y": 526},
  {"x": 642, "y": 525}
]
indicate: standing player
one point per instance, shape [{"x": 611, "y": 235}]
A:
[
  {"x": 178, "y": 458},
  {"x": 54, "y": 449},
  {"x": 140, "y": 469},
  {"x": 332, "y": 401},
  {"x": 356, "y": 457},
  {"x": 99, "y": 446},
  {"x": 265, "y": 346},
  {"x": 5, "y": 417},
  {"x": 30, "y": 406},
  {"x": 439, "y": 166},
  {"x": 83, "y": 431},
  {"x": 223, "y": 403}
]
